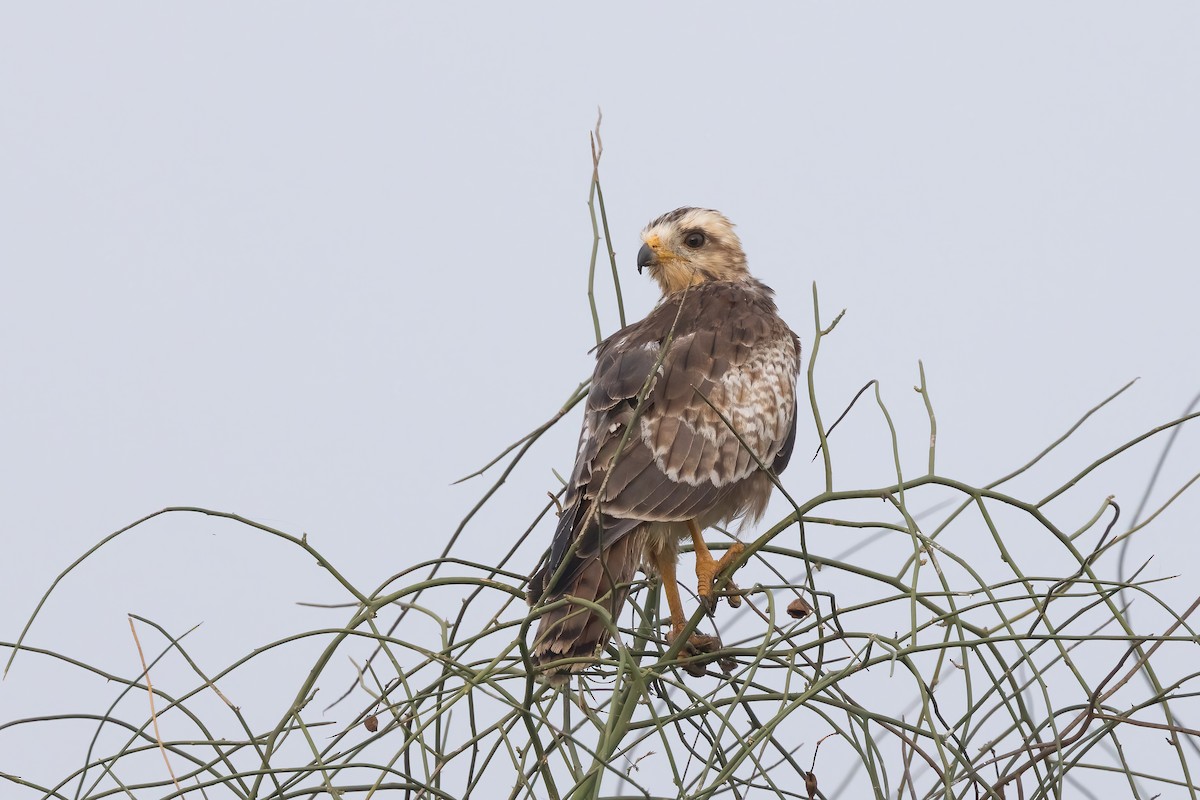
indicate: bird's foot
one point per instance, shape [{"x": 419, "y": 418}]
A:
[
  {"x": 695, "y": 649},
  {"x": 707, "y": 572}
]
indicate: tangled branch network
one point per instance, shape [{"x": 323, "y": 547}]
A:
[{"x": 928, "y": 638}]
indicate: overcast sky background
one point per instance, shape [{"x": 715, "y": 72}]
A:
[{"x": 310, "y": 263}]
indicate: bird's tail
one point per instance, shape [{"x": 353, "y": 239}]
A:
[{"x": 576, "y": 631}]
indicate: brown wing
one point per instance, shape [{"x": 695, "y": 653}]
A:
[{"x": 727, "y": 345}]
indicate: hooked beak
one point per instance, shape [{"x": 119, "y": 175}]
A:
[{"x": 646, "y": 258}]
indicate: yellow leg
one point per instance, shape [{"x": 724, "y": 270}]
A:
[
  {"x": 708, "y": 568},
  {"x": 666, "y": 570},
  {"x": 697, "y": 644}
]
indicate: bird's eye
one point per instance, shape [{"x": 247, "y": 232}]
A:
[{"x": 694, "y": 239}]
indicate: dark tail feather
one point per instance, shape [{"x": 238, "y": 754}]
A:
[{"x": 576, "y": 631}]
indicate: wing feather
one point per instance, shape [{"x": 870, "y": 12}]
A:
[{"x": 727, "y": 347}]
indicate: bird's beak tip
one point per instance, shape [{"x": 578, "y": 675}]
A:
[{"x": 646, "y": 257}]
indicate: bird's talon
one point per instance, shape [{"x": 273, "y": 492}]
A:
[
  {"x": 694, "y": 649},
  {"x": 697, "y": 644},
  {"x": 707, "y": 573},
  {"x": 735, "y": 550},
  {"x": 698, "y": 649}
]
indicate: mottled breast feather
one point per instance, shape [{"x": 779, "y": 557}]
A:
[{"x": 721, "y": 401}]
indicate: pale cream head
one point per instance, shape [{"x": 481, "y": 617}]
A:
[{"x": 689, "y": 246}]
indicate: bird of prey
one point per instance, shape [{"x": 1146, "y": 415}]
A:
[{"x": 685, "y": 410}]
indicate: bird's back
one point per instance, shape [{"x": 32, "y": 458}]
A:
[{"x": 684, "y": 444}]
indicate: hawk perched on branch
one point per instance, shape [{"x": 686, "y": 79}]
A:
[{"x": 684, "y": 408}]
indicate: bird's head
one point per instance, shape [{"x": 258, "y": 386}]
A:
[{"x": 689, "y": 246}]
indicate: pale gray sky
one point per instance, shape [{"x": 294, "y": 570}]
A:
[{"x": 310, "y": 263}]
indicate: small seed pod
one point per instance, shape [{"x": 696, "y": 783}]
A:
[{"x": 799, "y": 608}]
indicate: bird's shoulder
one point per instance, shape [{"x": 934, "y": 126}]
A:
[{"x": 742, "y": 310}]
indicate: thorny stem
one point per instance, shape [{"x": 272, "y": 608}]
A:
[{"x": 459, "y": 711}]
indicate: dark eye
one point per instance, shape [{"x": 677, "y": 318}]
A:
[{"x": 694, "y": 239}]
